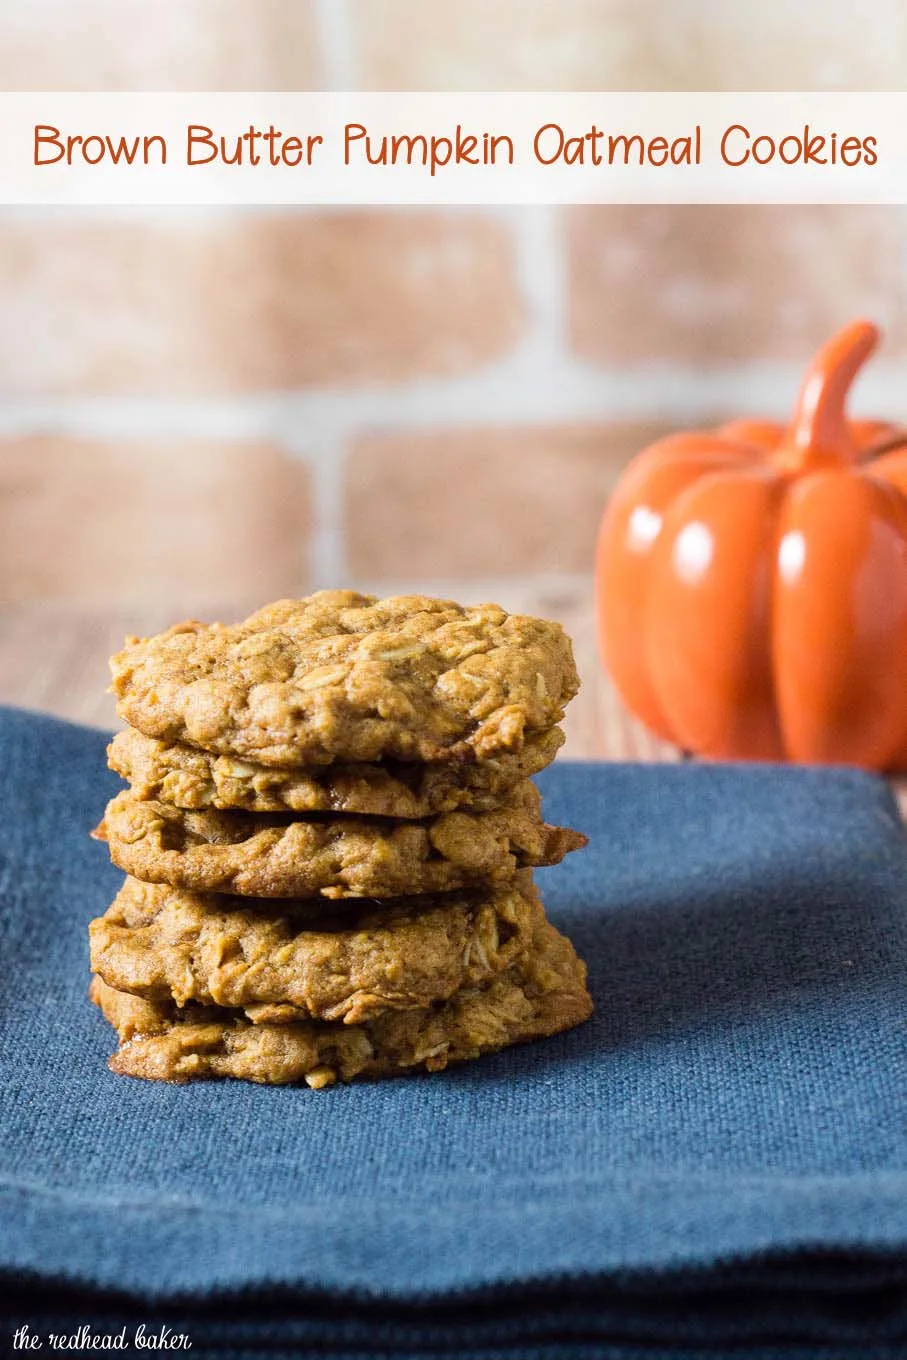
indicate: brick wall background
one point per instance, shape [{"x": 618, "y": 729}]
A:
[{"x": 200, "y": 409}]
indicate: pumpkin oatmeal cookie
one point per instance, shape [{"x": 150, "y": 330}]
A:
[
  {"x": 350, "y": 964},
  {"x": 542, "y": 994},
  {"x": 339, "y": 676},
  {"x": 190, "y": 778},
  {"x": 280, "y": 855}
]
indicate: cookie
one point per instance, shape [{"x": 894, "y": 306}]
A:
[
  {"x": 194, "y": 779},
  {"x": 280, "y": 855},
  {"x": 350, "y": 964},
  {"x": 543, "y": 993},
  {"x": 339, "y": 676}
]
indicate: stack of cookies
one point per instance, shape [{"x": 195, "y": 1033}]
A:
[{"x": 329, "y": 836}]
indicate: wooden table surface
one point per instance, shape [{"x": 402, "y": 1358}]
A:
[{"x": 54, "y": 658}]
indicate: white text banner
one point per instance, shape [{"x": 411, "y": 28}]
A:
[{"x": 448, "y": 148}]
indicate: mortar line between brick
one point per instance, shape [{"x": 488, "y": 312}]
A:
[
  {"x": 333, "y": 26},
  {"x": 327, "y": 550},
  {"x": 541, "y": 274},
  {"x": 511, "y": 392}
]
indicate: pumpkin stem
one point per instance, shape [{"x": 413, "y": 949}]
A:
[{"x": 819, "y": 433}]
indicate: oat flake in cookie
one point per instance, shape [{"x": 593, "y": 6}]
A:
[
  {"x": 542, "y": 994},
  {"x": 286, "y": 960},
  {"x": 339, "y": 676},
  {"x": 274, "y": 855},
  {"x": 187, "y": 777}
]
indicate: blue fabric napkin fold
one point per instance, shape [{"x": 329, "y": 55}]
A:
[{"x": 715, "y": 1164}]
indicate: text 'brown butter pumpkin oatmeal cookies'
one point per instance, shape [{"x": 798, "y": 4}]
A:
[
  {"x": 279, "y": 855},
  {"x": 347, "y": 964},
  {"x": 191, "y": 778},
  {"x": 542, "y": 994},
  {"x": 339, "y": 676}
]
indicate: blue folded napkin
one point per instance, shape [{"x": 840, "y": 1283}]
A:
[{"x": 715, "y": 1164}]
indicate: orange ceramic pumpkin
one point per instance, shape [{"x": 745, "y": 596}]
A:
[{"x": 752, "y": 581}]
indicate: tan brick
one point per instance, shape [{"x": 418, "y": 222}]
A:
[
  {"x": 166, "y": 45},
  {"x": 237, "y": 303},
  {"x": 629, "y": 45},
  {"x": 713, "y": 284},
  {"x": 483, "y": 501},
  {"x": 176, "y": 524}
]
